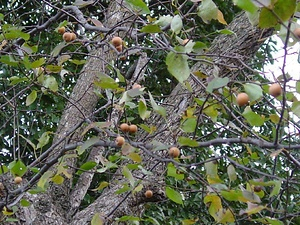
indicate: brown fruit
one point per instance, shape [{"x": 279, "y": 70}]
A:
[
  {"x": 116, "y": 41},
  {"x": 148, "y": 194},
  {"x": 68, "y": 36},
  {"x": 242, "y": 99},
  {"x": 174, "y": 152},
  {"x": 124, "y": 127},
  {"x": 135, "y": 85},
  {"x": 61, "y": 30},
  {"x": 275, "y": 90},
  {"x": 18, "y": 180},
  {"x": 73, "y": 36},
  {"x": 120, "y": 141},
  {"x": 257, "y": 188},
  {"x": 119, "y": 48},
  {"x": 133, "y": 128},
  {"x": 297, "y": 32}
]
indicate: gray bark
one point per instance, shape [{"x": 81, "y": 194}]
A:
[{"x": 53, "y": 207}]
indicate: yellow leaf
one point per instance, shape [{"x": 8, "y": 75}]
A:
[
  {"x": 101, "y": 186},
  {"x": 7, "y": 212},
  {"x": 215, "y": 205},
  {"x": 226, "y": 217},
  {"x": 135, "y": 157},
  {"x": 221, "y": 18},
  {"x": 57, "y": 179}
]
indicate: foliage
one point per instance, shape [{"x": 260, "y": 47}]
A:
[{"x": 237, "y": 164}]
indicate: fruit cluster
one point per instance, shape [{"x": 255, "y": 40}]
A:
[
  {"x": 125, "y": 128},
  {"x": 67, "y": 36},
  {"x": 118, "y": 43},
  {"x": 275, "y": 90}
]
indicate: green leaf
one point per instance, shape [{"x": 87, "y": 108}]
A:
[
  {"x": 38, "y": 63},
  {"x": 225, "y": 31},
  {"x": 207, "y": 11},
  {"x": 298, "y": 85},
  {"x": 246, "y": 5},
  {"x": 276, "y": 188},
  {"x": 55, "y": 52},
  {"x": 9, "y": 60},
  {"x": 254, "y": 91},
  {"x": 17, "y": 168},
  {"x": 44, "y": 180},
  {"x": 212, "y": 112},
  {"x": 14, "y": 34},
  {"x": 189, "y": 125},
  {"x": 78, "y": 62},
  {"x": 101, "y": 186},
  {"x": 86, "y": 166},
  {"x": 231, "y": 173},
  {"x": 50, "y": 82},
  {"x": 24, "y": 203},
  {"x": 212, "y": 172},
  {"x": 139, "y": 6},
  {"x": 159, "y": 109},
  {"x": 178, "y": 66},
  {"x": 216, "y": 83},
  {"x": 126, "y": 172},
  {"x": 125, "y": 188},
  {"x": 232, "y": 195},
  {"x": 174, "y": 195},
  {"x": 106, "y": 82},
  {"x": 144, "y": 114},
  {"x": 135, "y": 157},
  {"x": 253, "y": 118},
  {"x": 270, "y": 221},
  {"x": 275, "y": 118},
  {"x": 43, "y": 140},
  {"x": 172, "y": 172},
  {"x": 97, "y": 220},
  {"x": 57, "y": 179},
  {"x": 151, "y": 28},
  {"x": 185, "y": 141},
  {"x": 31, "y": 97},
  {"x": 53, "y": 68},
  {"x": 88, "y": 143},
  {"x": 284, "y": 9},
  {"x": 296, "y": 108},
  {"x": 176, "y": 24}
]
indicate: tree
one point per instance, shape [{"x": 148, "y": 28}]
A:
[{"x": 67, "y": 86}]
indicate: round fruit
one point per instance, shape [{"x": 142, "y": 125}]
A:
[
  {"x": 297, "y": 32},
  {"x": 18, "y": 180},
  {"x": 119, "y": 48},
  {"x": 73, "y": 36},
  {"x": 257, "y": 188},
  {"x": 61, "y": 30},
  {"x": 124, "y": 127},
  {"x": 120, "y": 141},
  {"x": 133, "y": 128},
  {"x": 116, "y": 41},
  {"x": 174, "y": 152},
  {"x": 275, "y": 90},
  {"x": 68, "y": 36},
  {"x": 148, "y": 194},
  {"x": 242, "y": 99},
  {"x": 136, "y": 86}
]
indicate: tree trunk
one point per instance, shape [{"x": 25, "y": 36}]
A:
[{"x": 53, "y": 207}]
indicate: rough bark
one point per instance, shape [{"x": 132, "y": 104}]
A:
[
  {"x": 53, "y": 207},
  {"x": 228, "y": 51}
]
